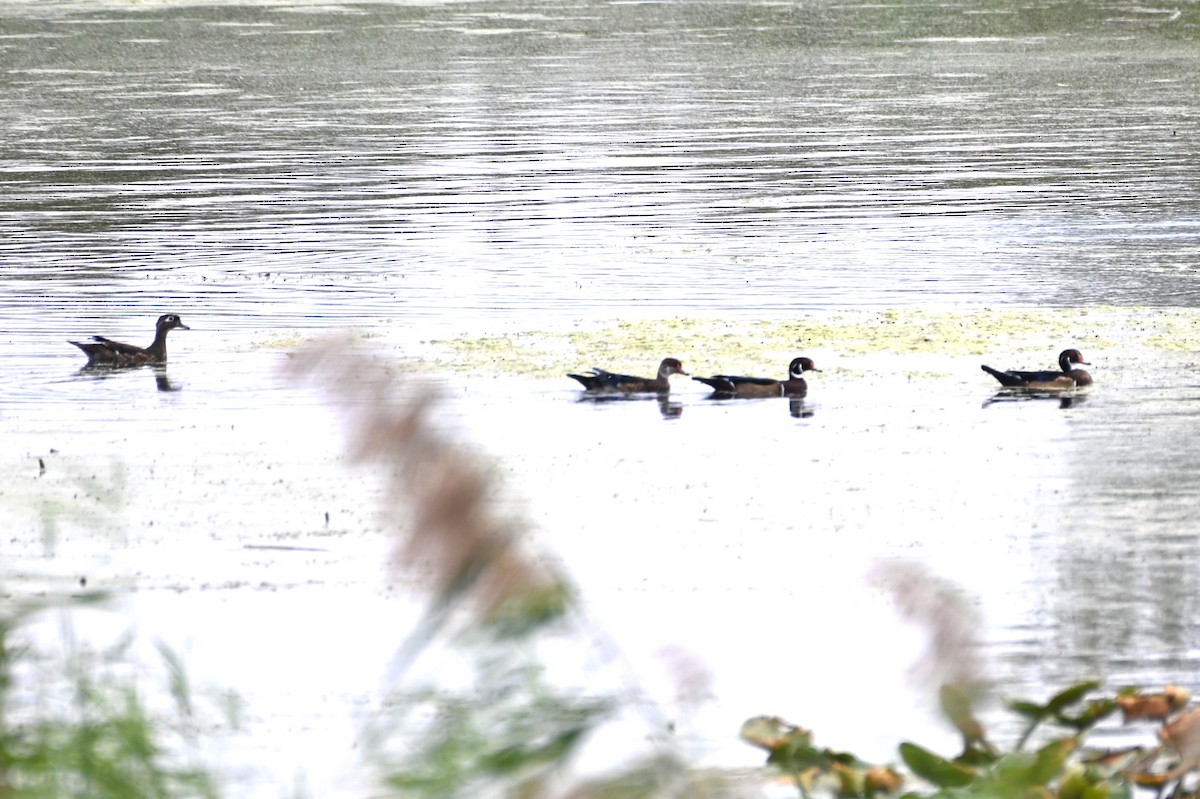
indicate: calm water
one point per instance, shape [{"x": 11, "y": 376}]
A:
[{"x": 420, "y": 170}]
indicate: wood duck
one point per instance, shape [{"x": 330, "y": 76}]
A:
[
  {"x": 1066, "y": 377},
  {"x": 607, "y": 382},
  {"x": 103, "y": 351},
  {"x": 794, "y": 386}
]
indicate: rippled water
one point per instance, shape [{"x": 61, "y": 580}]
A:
[
  {"x": 484, "y": 159},
  {"x": 415, "y": 171}
]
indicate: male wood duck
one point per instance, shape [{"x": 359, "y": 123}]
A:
[
  {"x": 1067, "y": 376},
  {"x": 794, "y": 386},
  {"x": 103, "y": 351},
  {"x": 599, "y": 380}
]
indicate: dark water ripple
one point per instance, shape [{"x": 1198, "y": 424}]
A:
[{"x": 703, "y": 159}]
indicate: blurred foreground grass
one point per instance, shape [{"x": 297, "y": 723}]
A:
[{"x": 74, "y": 722}]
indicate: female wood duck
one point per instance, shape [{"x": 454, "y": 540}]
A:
[
  {"x": 1066, "y": 377},
  {"x": 599, "y": 380},
  {"x": 794, "y": 386},
  {"x": 103, "y": 351}
]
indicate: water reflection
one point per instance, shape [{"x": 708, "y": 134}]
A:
[
  {"x": 796, "y": 405},
  {"x": 1063, "y": 398},
  {"x": 162, "y": 380},
  {"x": 668, "y": 406},
  {"x": 797, "y": 408}
]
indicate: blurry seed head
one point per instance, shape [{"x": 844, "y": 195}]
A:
[{"x": 439, "y": 495}]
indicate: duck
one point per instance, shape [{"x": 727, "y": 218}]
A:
[
  {"x": 602, "y": 381},
  {"x": 794, "y": 386},
  {"x": 1067, "y": 376},
  {"x": 103, "y": 351}
]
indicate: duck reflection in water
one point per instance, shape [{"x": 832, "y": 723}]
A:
[
  {"x": 1064, "y": 400},
  {"x": 669, "y": 408},
  {"x": 162, "y": 381},
  {"x": 797, "y": 408}
]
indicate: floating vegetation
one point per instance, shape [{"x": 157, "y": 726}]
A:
[{"x": 766, "y": 345}]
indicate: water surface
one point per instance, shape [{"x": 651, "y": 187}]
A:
[{"x": 866, "y": 184}]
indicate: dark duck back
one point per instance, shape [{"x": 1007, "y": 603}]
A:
[
  {"x": 600, "y": 380},
  {"x": 103, "y": 351},
  {"x": 1067, "y": 377}
]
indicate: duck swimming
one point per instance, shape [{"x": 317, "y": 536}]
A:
[
  {"x": 103, "y": 351},
  {"x": 1067, "y": 376},
  {"x": 601, "y": 381},
  {"x": 746, "y": 387}
]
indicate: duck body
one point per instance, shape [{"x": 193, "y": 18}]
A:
[
  {"x": 753, "y": 387},
  {"x": 1066, "y": 377},
  {"x": 602, "y": 381},
  {"x": 103, "y": 351}
]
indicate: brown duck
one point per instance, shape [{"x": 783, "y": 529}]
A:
[
  {"x": 1067, "y": 376},
  {"x": 600, "y": 381},
  {"x": 103, "y": 351},
  {"x": 733, "y": 386}
]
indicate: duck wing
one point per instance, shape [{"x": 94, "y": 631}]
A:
[
  {"x": 1041, "y": 379},
  {"x": 600, "y": 379},
  {"x": 717, "y": 383},
  {"x": 749, "y": 381},
  {"x": 91, "y": 349},
  {"x": 117, "y": 347}
]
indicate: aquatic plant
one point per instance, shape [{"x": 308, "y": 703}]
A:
[
  {"x": 1062, "y": 765},
  {"x": 75, "y": 723}
]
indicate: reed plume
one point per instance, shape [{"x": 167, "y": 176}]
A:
[
  {"x": 952, "y": 659},
  {"x": 438, "y": 495}
]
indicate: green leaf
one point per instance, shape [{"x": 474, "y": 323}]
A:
[
  {"x": 795, "y": 753},
  {"x": 1029, "y": 710},
  {"x": 1097, "y": 792},
  {"x": 977, "y": 756},
  {"x": 1018, "y": 772},
  {"x": 1014, "y": 772},
  {"x": 1051, "y": 759},
  {"x": 934, "y": 768},
  {"x": 1073, "y": 786},
  {"x": 1070, "y": 696},
  {"x": 1093, "y": 714}
]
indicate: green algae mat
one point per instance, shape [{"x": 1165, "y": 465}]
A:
[{"x": 1023, "y": 338}]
